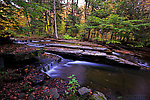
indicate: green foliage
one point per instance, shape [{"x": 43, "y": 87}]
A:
[
  {"x": 66, "y": 36},
  {"x": 72, "y": 85},
  {"x": 73, "y": 18},
  {"x": 119, "y": 97},
  {"x": 82, "y": 29},
  {"x": 97, "y": 38},
  {"x": 2, "y": 74},
  {"x": 113, "y": 41},
  {"x": 123, "y": 20},
  {"x": 61, "y": 27},
  {"x": 27, "y": 35},
  {"x": 134, "y": 9},
  {"x": 116, "y": 25},
  {"x": 136, "y": 44},
  {"x": 148, "y": 44}
]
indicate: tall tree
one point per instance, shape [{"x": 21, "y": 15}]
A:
[
  {"x": 86, "y": 1},
  {"x": 55, "y": 24},
  {"x": 72, "y": 7}
]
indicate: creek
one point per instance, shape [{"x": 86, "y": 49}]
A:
[{"x": 114, "y": 81}]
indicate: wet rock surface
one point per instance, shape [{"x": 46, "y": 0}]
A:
[
  {"x": 116, "y": 57},
  {"x": 116, "y": 54},
  {"x": 84, "y": 90},
  {"x": 99, "y": 96}
]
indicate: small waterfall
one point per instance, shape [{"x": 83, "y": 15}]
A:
[{"x": 50, "y": 67}]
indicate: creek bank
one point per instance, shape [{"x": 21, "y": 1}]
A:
[
  {"x": 105, "y": 57},
  {"x": 92, "y": 56},
  {"x": 30, "y": 83},
  {"x": 12, "y": 53},
  {"x": 113, "y": 54}
]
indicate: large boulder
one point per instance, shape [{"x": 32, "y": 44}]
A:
[
  {"x": 54, "y": 92},
  {"x": 98, "y": 96},
  {"x": 84, "y": 90}
]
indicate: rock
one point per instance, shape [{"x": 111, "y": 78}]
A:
[
  {"x": 54, "y": 92},
  {"x": 121, "y": 60},
  {"x": 94, "y": 53},
  {"x": 99, "y": 96},
  {"x": 101, "y": 49},
  {"x": 84, "y": 90}
]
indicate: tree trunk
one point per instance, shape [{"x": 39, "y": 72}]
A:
[
  {"x": 47, "y": 24},
  {"x": 55, "y": 25},
  {"x": 85, "y": 8},
  {"x": 112, "y": 36},
  {"x": 72, "y": 7},
  {"x": 50, "y": 21},
  {"x": 89, "y": 35},
  {"x": 66, "y": 16},
  {"x": 77, "y": 2}
]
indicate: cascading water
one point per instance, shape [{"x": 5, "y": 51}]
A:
[{"x": 106, "y": 78}]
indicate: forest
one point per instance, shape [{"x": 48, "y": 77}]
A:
[
  {"x": 101, "y": 20},
  {"x": 74, "y": 49}
]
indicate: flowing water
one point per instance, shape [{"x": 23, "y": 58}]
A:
[
  {"x": 116, "y": 82},
  {"x": 119, "y": 81}
]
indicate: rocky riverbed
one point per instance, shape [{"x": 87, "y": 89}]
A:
[
  {"x": 26, "y": 81},
  {"x": 102, "y": 53}
]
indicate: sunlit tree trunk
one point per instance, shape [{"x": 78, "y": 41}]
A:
[
  {"x": 47, "y": 23},
  {"x": 66, "y": 15},
  {"x": 55, "y": 25},
  {"x": 50, "y": 21}
]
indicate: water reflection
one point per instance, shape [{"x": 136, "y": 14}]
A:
[{"x": 120, "y": 81}]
